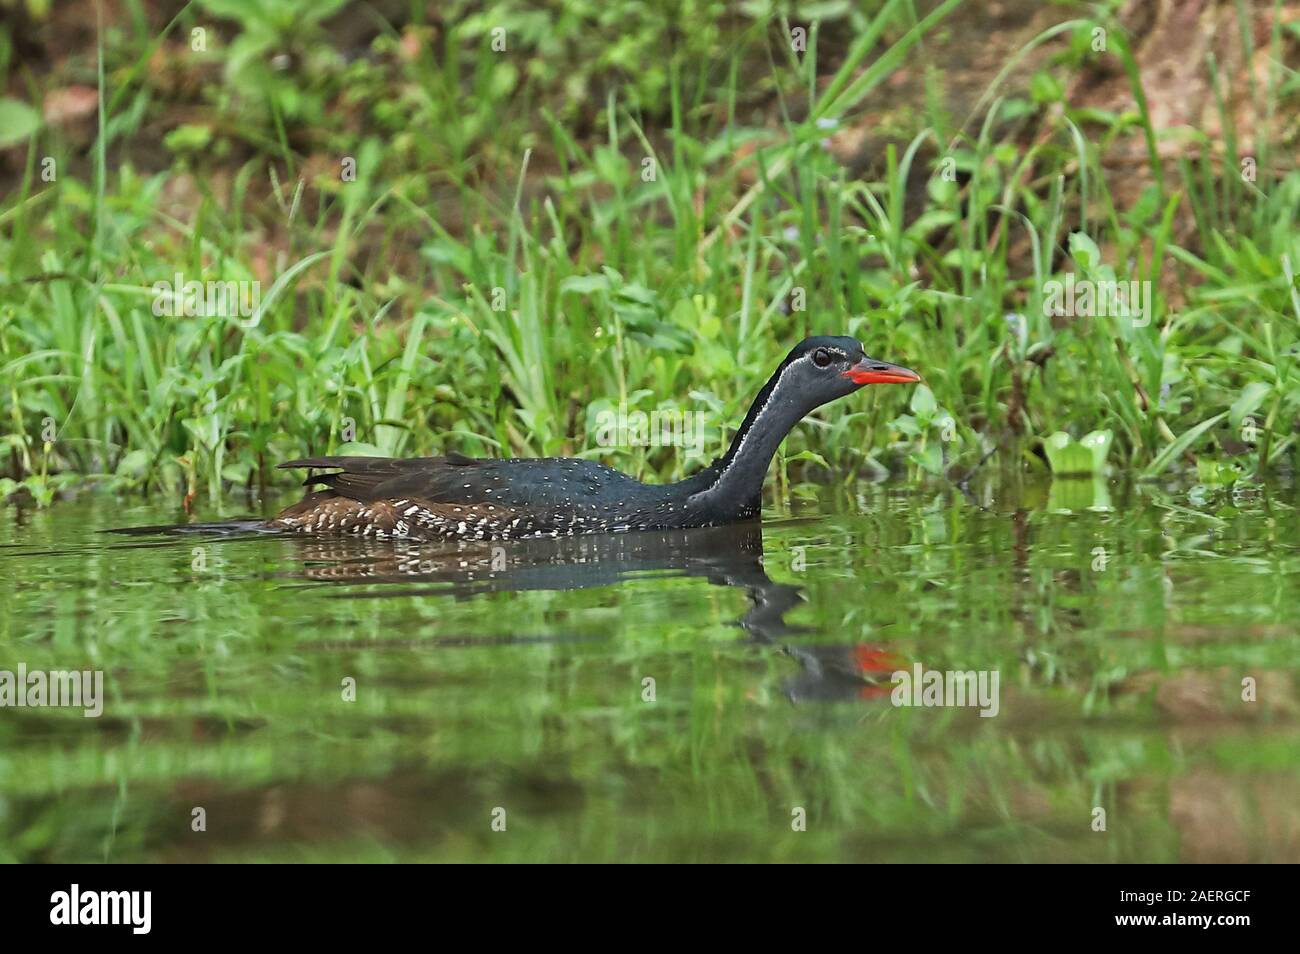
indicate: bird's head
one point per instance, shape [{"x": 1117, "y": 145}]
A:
[{"x": 824, "y": 368}]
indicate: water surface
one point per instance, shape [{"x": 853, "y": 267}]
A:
[{"x": 668, "y": 697}]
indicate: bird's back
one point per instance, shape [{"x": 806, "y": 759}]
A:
[{"x": 473, "y": 498}]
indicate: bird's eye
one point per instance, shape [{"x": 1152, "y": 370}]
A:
[{"x": 821, "y": 357}]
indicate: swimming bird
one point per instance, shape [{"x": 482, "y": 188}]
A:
[{"x": 464, "y": 498}]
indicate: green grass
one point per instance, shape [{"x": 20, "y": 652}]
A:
[{"x": 500, "y": 264}]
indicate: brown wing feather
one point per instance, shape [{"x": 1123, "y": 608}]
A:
[{"x": 377, "y": 478}]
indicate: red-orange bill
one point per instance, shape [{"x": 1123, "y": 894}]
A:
[{"x": 870, "y": 371}]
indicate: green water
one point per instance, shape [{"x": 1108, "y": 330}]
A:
[{"x": 511, "y": 686}]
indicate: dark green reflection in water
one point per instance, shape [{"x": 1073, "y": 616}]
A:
[{"x": 516, "y": 679}]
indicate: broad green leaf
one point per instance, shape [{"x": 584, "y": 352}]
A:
[
  {"x": 1252, "y": 396},
  {"x": 18, "y": 122},
  {"x": 584, "y": 284},
  {"x": 1084, "y": 251},
  {"x": 808, "y": 455},
  {"x": 923, "y": 402},
  {"x": 1098, "y": 443},
  {"x": 1082, "y": 458}
]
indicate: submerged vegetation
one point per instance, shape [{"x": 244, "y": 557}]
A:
[{"x": 475, "y": 226}]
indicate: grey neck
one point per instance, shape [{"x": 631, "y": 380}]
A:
[{"x": 737, "y": 479}]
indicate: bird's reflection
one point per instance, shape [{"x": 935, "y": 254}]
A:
[{"x": 725, "y": 556}]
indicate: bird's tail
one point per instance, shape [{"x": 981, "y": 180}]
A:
[{"x": 222, "y": 527}]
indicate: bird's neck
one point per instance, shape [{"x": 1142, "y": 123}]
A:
[{"x": 735, "y": 483}]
